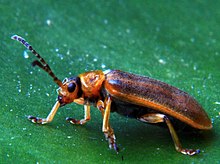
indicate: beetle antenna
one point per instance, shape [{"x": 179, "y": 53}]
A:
[{"x": 41, "y": 63}]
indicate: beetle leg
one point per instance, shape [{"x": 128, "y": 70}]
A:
[
  {"x": 101, "y": 107},
  {"x": 106, "y": 128},
  {"x": 84, "y": 120},
  {"x": 79, "y": 101},
  {"x": 157, "y": 118},
  {"x": 49, "y": 117}
]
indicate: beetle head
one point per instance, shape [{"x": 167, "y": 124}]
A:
[{"x": 70, "y": 90}]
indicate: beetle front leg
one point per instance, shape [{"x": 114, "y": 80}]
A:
[
  {"x": 106, "y": 128},
  {"x": 84, "y": 120},
  {"x": 157, "y": 118},
  {"x": 49, "y": 117}
]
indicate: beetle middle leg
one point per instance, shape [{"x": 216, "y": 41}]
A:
[
  {"x": 105, "y": 108},
  {"x": 84, "y": 120},
  {"x": 157, "y": 118}
]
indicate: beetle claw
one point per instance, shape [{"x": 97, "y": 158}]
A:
[
  {"x": 36, "y": 120},
  {"x": 190, "y": 151},
  {"x": 116, "y": 148},
  {"x": 78, "y": 122},
  {"x": 72, "y": 120},
  {"x": 112, "y": 141}
]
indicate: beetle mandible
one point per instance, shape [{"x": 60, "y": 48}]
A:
[{"x": 143, "y": 98}]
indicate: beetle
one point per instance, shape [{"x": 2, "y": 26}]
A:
[{"x": 143, "y": 98}]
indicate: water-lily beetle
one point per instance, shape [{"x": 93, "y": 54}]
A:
[{"x": 143, "y": 98}]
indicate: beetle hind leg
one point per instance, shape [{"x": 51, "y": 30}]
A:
[{"x": 158, "y": 118}]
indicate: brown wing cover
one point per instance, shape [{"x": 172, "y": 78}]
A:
[{"x": 156, "y": 95}]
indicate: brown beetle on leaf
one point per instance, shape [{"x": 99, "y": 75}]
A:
[{"x": 143, "y": 98}]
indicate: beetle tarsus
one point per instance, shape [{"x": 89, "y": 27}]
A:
[
  {"x": 116, "y": 148},
  {"x": 111, "y": 140},
  {"x": 74, "y": 121},
  {"x": 190, "y": 151},
  {"x": 36, "y": 120}
]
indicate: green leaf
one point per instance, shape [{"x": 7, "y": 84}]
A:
[{"x": 177, "y": 42}]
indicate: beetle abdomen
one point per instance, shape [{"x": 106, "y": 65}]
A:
[{"x": 156, "y": 95}]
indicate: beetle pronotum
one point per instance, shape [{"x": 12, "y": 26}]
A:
[{"x": 131, "y": 95}]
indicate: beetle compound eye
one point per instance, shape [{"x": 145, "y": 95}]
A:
[{"x": 71, "y": 87}]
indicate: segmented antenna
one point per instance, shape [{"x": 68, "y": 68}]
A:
[{"x": 41, "y": 63}]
